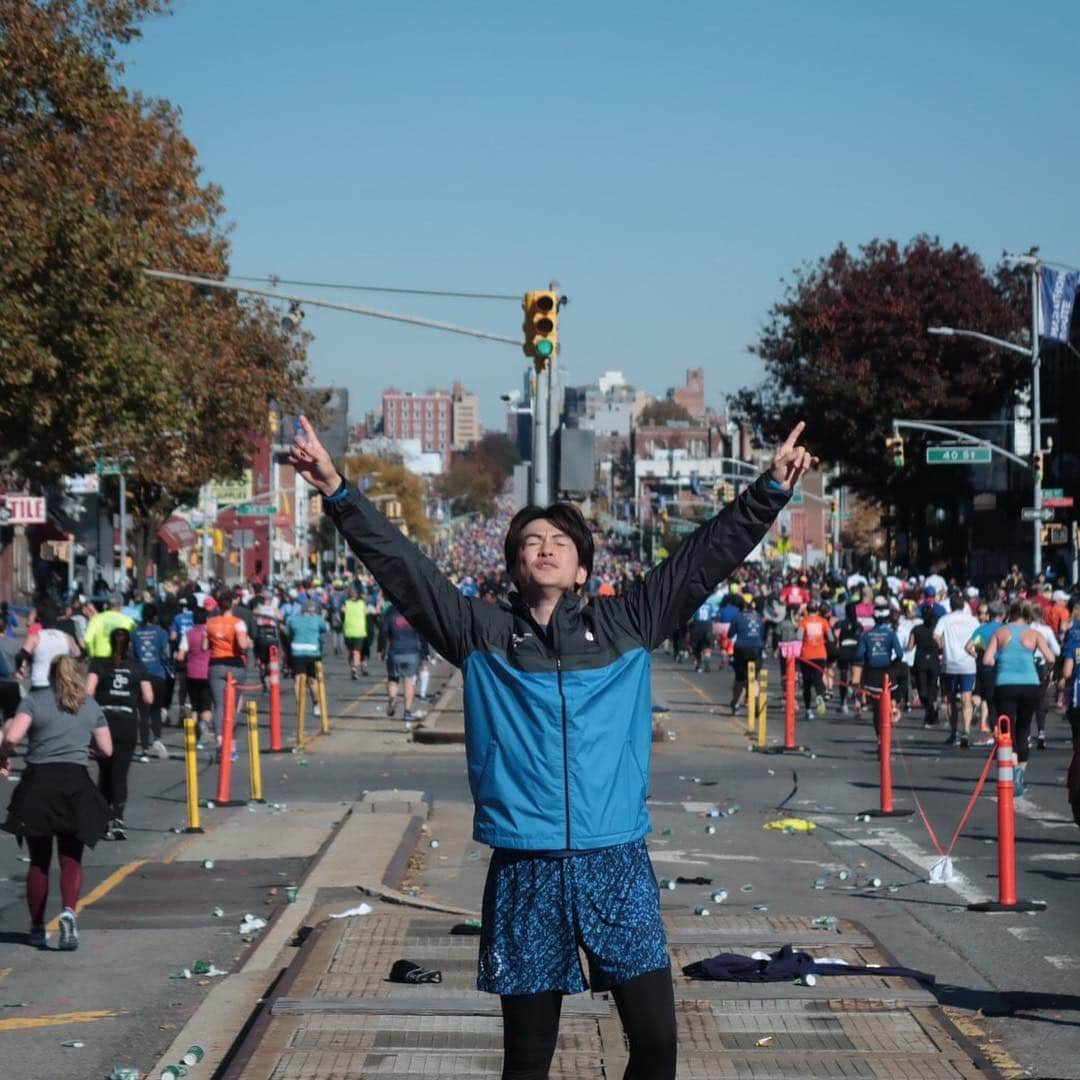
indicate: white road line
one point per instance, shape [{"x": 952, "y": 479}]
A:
[
  {"x": 907, "y": 849},
  {"x": 1024, "y": 933},
  {"x": 1063, "y": 963},
  {"x": 1047, "y": 818},
  {"x": 1056, "y": 856}
]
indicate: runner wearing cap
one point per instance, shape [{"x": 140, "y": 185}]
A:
[
  {"x": 953, "y": 632},
  {"x": 878, "y": 649}
]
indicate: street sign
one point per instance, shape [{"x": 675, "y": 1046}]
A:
[
  {"x": 1032, "y": 513},
  {"x": 958, "y": 455},
  {"x": 1052, "y": 493},
  {"x": 1058, "y": 501},
  {"x": 796, "y": 498},
  {"x": 251, "y": 510},
  {"x": 88, "y": 484},
  {"x": 22, "y": 509}
]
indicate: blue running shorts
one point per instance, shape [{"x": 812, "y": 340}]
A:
[{"x": 538, "y": 909}]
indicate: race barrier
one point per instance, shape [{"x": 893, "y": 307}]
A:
[
  {"x": 191, "y": 774},
  {"x": 1006, "y": 901},
  {"x": 751, "y": 699},
  {"x": 301, "y": 708},
  {"x": 320, "y": 689},
  {"x": 763, "y": 705},
  {"x": 274, "y": 680},
  {"x": 885, "y": 724},
  {"x": 228, "y": 731},
  {"x": 254, "y": 761}
]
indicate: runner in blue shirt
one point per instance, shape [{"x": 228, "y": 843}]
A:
[
  {"x": 305, "y": 633},
  {"x": 747, "y": 630},
  {"x": 1070, "y": 674},
  {"x": 150, "y": 646}
]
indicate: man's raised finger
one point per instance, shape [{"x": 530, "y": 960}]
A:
[{"x": 796, "y": 431}]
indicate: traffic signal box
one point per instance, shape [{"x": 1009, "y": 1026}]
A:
[{"x": 541, "y": 326}]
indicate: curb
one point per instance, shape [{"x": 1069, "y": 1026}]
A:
[{"x": 428, "y": 732}]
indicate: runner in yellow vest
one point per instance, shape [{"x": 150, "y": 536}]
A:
[
  {"x": 355, "y": 630},
  {"x": 96, "y": 639}
]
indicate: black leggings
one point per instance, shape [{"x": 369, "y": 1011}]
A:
[
  {"x": 813, "y": 681},
  {"x": 1018, "y": 703},
  {"x": 112, "y": 777},
  {"x": 646, "y": 1007}
]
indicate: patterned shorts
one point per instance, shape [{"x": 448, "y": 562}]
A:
[{"x": 539, "y": 909}]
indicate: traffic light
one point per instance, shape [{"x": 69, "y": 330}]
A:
[
  {"x": 541, "y": 326},
  {"x": 894, "y": 444},
  {"x": 729, "y": 492},
  {"x": 834, "y": 505},
  {"x": 1037, "y": 467}
]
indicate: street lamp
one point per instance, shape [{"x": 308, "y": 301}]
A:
[{"x": 1036, "y": 402}]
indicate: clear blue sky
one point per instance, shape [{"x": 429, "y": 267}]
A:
[{"x": 667, "y": 163}]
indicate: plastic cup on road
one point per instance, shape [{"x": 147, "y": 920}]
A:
[
  {"x": 208, "y": 864},
  {"x": 701, "y": 911},
  {"x": 290, "y": 893},
  {"x": 710, "y": 829},
  {"x": 173, "y": 1072},
  {"x": 809, "y": 979},
  {"x": 194, "y": 1055},
  {"x": 667, "y": 883},
  {"x": 719, "y": 897}
]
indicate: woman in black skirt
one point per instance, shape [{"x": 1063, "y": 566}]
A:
[{"x": 56, "y": 797}]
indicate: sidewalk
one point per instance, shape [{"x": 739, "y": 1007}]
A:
[{"x": 335, "y": 1015}]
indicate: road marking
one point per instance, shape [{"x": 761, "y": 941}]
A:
[
  {"x": 102, "y": 888},
  {"x": 906, "y": 848},
  {"x": 1023, "y": 933},
  {"x": 1047, "y": 818},
  {"x": 1056, "y": 856},
  {"x": 5, "y": 972},
  {"x": 86, "y": 1017},
  {"x": 1000, "y": 1058},
  {"x": 1063, "y": 963}
]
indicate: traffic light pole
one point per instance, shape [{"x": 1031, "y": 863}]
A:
[
  {"x": 541, "y": 486},
  {"x": 1036, "y": 423}
]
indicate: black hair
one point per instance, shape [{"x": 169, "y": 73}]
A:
[
  {"x": 564, "y": 516},
  {"x": 849, "y": 610},
  {"x": 200, "y": 616},
  {"x": 120, "y": 640},
  {"x": 956, "y": 602},
  {"x": 149, "y": 613}
]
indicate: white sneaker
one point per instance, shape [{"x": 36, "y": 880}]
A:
[
  {"x": 69, "y": 934},
  {"x": 315, "y": 711},
  {"x": 160, "y": 749}
]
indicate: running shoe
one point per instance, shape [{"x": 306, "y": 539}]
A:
[
  {"x": 965, "y": 742},
  {"x": 315, "y": 710},
  {"x": 117, "y": 830},
  {"x": 819, "y": 706},
  {"x": 1040, "y": 742},
  {"x": 160, "y": 749},
  {"x": 39, "y": 939},
  {"x": 392, "y": 707},
  {"x": 950, "y": 739},
  {"x": 352, "y": 674},
  {"x": 1019, "y": 784},
  {"x": 69, "y": 932}
]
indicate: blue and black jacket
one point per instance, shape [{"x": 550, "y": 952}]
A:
[{"x": 558, "y": 721}]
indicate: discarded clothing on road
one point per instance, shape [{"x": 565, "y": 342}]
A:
[
  {"x": 405, "y": 971},
  {"x": 785, "y": 966},
  {"x": 694, "y": 880}
]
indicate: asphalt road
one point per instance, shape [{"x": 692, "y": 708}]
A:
[{"x": 1021, "y": 971}]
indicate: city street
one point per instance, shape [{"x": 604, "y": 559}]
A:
[{"x": 1010, "y": 983}]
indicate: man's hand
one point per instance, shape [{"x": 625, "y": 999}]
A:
[
  {"x": 791, "y": 461},
  {"x": 310, "y": 459}
]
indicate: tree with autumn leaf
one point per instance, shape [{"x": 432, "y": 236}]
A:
[
  {"x": 97, "y": 183},
  {"x": 847, "y": 349},
  {"x": 389, "y": 477}
]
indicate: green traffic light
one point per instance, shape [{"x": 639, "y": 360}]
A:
[{"x": 544, "y": 348}]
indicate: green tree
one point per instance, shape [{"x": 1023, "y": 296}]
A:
[
  {"x": 100, "y": 361},
  {"x": 390, "y": 477},
  {"x": 470, "y": 485},
  {"x": 659, "y": 412}
]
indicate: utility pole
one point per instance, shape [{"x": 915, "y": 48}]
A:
[
  {"x": 122, "y": 576},
  {"x": 837, "y": 510},
  {"x": 1036, "y": 422}
]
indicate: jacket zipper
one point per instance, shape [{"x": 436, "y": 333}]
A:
[{"x": 565, "y": 749}]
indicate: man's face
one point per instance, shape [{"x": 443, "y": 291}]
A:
[{"x": 548, "y": 559}]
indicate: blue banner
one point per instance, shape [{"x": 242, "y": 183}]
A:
[{"x": 1058, "y": 294}]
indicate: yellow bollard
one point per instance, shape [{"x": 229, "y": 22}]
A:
[
  {"x": 254, "y": 761},
  {"x": 320, "y": 689},
  {"x": 763, "y": 705},
  {"x": 191, "y": 770},
  {"x": 301, "y": 708},
  {"x": 751, "y": 697}
]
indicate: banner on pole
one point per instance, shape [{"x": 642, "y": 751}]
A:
[{"x": 1057, "y": 293}]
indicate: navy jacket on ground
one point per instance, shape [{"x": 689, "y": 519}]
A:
[{"x": 558, "y": 724}]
